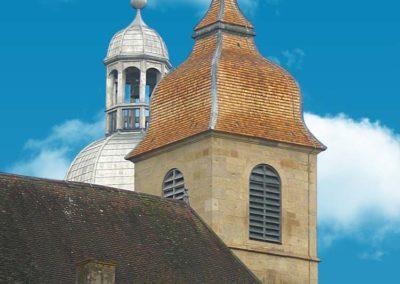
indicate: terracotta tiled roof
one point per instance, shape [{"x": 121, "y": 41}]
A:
[
  {"x": 47, "y": 227},
  {"x": 226, "y": 11},
  {"x": 226, "y": 85}
]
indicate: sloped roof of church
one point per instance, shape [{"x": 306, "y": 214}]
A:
[
  {"x": 47, "y": 227},
  {"x": 226, "y": 86}
]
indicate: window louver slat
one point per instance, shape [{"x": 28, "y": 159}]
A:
[
  {"x": 174, "y": 185},
  {"x": 265, "y": 204}
]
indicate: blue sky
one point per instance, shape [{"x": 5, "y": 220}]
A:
[{"x": 345, "y": 55}]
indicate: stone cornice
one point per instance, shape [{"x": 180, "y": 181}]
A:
[
  {"x": 138, "y": 57},
  {"x": 219, "y": 134},
  {"x": 276, "y": 253},
  {"x": 221, "y": 26}
]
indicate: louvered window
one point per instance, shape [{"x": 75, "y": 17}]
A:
[
  {"x": 265, "y": 204},
  {"x": 174, "y": 185}
]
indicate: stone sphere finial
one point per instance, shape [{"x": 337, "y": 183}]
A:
[{"x": 138, "y": 4}]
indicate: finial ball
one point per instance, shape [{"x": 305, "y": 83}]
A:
[{"x": 138, "y": 4}]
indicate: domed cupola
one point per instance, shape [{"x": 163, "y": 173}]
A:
[
  {"x": 136, "y": 61},
  {"x": 137, "y": 40}
]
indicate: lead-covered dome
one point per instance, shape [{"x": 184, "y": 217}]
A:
[
  {"x": 137, "y": 40},
  {"x": 102, "y": 162}
]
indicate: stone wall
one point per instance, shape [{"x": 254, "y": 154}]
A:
[
  {"x": 273, "y": 269},
  {"x": 95, "y": 272},
  {"x": 217, "y": 169},
  {"x": 193, "y": 160}
]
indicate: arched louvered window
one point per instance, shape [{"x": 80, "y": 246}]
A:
[
  {"x": 265, "y": 204},
  {"x": 174, "y": 185}
]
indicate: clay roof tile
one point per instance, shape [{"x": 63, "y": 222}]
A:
[
  {"x": 226, "y": 11},
  {"x": 47, "y": 227},
  {"x": 227, "y": 86}
]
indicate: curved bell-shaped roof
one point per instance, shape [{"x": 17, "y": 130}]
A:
[
  {"x": 226, "y": 86},
  {"x": 137, "y": 40}
]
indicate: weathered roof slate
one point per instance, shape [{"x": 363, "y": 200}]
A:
[{"x": 47, "y": 227}]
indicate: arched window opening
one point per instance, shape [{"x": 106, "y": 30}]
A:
[
  {"x": 132, "y": 85},
  {"x": 153, "y": 76},
  {"x": 174, "y": 186},
  {"x": 265, "y": 204},
  {"x": 114, "y": 87}
]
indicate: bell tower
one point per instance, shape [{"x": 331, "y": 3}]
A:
[
  {"x": 137, "y": 59},
  {"x": 227, "y": 133}
]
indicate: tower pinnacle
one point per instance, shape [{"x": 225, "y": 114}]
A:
[
  {"x": 138, "y": 4},
  {"x": 224, "y": 15}
]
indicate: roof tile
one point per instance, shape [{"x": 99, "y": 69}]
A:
[
  {"x": 48, "y": 227},
  {"x": 226, "y": 11},
  {"x": 226, "y": 85}
]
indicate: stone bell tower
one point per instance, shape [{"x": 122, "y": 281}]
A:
[{"x": 228, "y": 134}]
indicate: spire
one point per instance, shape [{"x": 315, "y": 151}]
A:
[
  {"x": 139, "y": 5},
  {"x": 224, "y": 15}
]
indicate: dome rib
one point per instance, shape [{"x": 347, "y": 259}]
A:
[
  {"x": 106, "y": 140},
  {"x": 82, "y": 167},
  {"x": 137, "y": 40},
  {"x": 102, "y": 162}
]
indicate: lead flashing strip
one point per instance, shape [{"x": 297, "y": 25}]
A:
[
  {"x": 221, "y": 26},
  {"x": 214, "y": 82},
  {"x": 221, "y": 12}
]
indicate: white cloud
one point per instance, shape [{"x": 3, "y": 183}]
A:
[
  {"x": 46, "y": 163},
  {"x": 70, "y": 132},
  {"x": 359, "y": 178},
  {"x": 374, "y": 255},
  {"x": 291, "y": 59},
  {"x": 50, "y": 157},
  {"x": 359, "y": 174},
  {"x": 294, "y": 58},
  {"x": 275, "y": 59}
]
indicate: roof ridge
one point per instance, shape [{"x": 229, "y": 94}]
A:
[
  {"x": 107, "y": 139},
  {"x": 224, "y": 15},
  {"x": 152, "y": 241},
  {"x": 221, "y": 10},
  {"x": 237, "y": 91},
  {"x": 69, "y": 184},
  {"x": 214, "y": 82}
]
